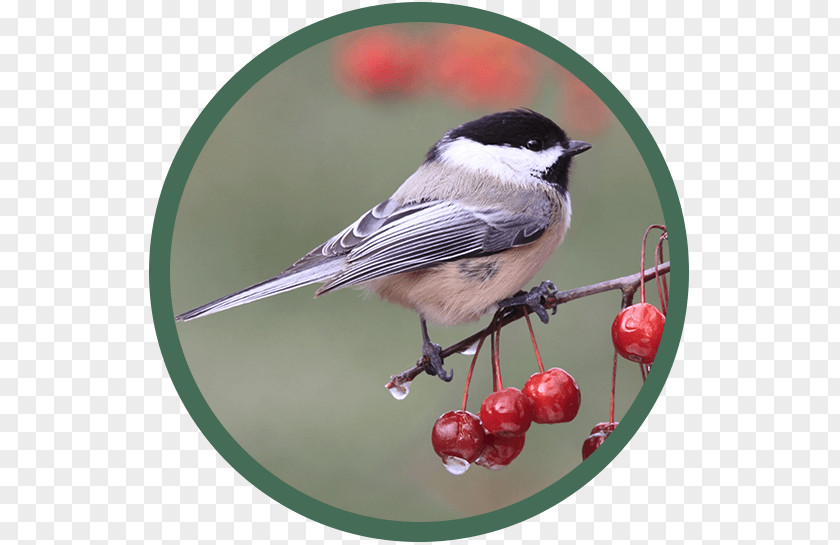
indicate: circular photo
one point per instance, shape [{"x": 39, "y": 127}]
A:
[{"x": 417, "y": 276}]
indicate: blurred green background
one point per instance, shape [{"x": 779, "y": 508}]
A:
[{"x": 299, "y": 382}]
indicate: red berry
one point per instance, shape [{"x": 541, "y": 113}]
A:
[
  {"x": 458, "y": 439},
  {"x": 599, "y": 434},
  {"x": 500, "y": 451},
  {"x": 636, "y": 332},
  {"x": 604, "y": 427},
  {"x": 554, "y": 395},
  {"x": 506, "y": 412}
]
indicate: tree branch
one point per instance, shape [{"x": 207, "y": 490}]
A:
[{"x": 628, "y": 285}]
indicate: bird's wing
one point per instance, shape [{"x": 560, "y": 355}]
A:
[{"x": 393, "y": 238}]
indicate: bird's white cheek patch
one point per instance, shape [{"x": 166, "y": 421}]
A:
[{"x": 500, "y": 161}]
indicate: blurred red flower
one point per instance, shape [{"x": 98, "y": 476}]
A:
[
  {"x": 484, "y": 69},
  {"x": 472, "y": 67},
  {"x": 379, "y": 62}
]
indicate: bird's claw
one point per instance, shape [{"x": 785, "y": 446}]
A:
[
  {"x": 434, "y": 362},
  {"x": 533, "y": 300}
]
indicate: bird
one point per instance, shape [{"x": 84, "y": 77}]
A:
[{"x": 461, "y": 236}]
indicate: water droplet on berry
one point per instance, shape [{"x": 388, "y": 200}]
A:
[
  {"x": 400, "y": 391},
  {"x": 455, "y": 465}
]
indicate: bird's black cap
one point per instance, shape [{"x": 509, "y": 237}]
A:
[{"x": 515, "y": 128}]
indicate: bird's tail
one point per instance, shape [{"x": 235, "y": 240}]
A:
[{"x": 300, "y": 274}]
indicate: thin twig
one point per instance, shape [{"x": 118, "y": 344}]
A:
[{"x": 628, "y": 285}]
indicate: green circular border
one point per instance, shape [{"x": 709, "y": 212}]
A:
[{"x": 161, "y": 246}]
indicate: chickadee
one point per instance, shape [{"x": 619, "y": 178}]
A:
[{"x": 459, "y": 238}]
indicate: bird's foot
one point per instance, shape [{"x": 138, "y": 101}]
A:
[
  {"x": 434, "y": 361},
  {"x": 533, "y": 300}
]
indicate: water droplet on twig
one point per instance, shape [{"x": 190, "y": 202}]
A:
[
  {"x": 400, "y": 391},
  {"x": 470, "y": 351}
]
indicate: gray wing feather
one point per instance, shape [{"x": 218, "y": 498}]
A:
[
  {"x": 385, "y": 212},
  {"x": 392, "y": 239},
  {"x": 306, "y": 271}
]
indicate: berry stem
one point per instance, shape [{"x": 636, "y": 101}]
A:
[
  {"x": 612, "y": 392},
  {"x": 643, "y": 369},
  {"x": 534, "y": 341},
  {"x": 470, "y": 373},
  {"x": 644, "y": 242},
  {"x": 661, "y": 281},
  {"x": 493, "y": 357},
  {"x": 497, "y": 368}
]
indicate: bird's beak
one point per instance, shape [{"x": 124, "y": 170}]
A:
[{"x": 576, "y": 147}]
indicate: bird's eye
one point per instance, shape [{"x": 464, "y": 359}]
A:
[{"x": 534, "y": 145}]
